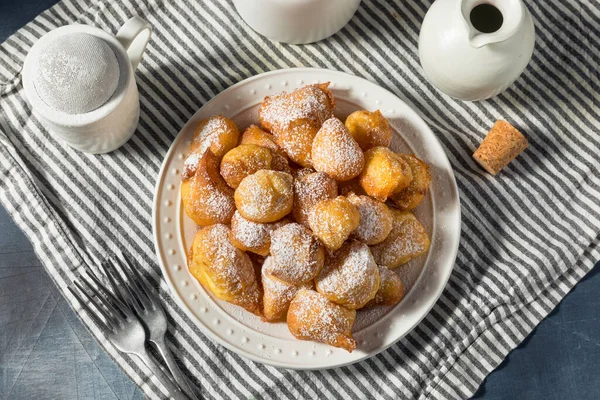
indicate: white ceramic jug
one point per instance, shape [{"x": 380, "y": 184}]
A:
[
  {"x": 80, "y": 83},
  {"x": 475, "y": 49}
]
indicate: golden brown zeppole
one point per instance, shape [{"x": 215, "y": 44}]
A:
[
  {"x": 391, "y": 290},
  {"x": 335, "y": 152},
  {"x": 244, "y": 160},
  {"x": 351, "y": 186},
  {"x": 312, "y": 316},
  {"x": 217, "y": 133},
  {"x": 375, "y": 222},
  {"x": 265, "y": 196},
  {"x": 253, "y": 236},
  {"x": 411, "y": 196},
  {"x": 408, "y": 239},
  {"x": 223, "y": 269},
  {"x": 333, "y": 220},
  {"x": 296, "y": 227},
  {"x": 297, "y": 254},
  {"x": 255, "y": 135},
  {"x": 310, "y": 188},
  {"x": 369, "y": 129},
  {"x": 350, "y": 276},
  {"x": 385, "y": 173},
  {"x": 294, "y": 119},
  {"x": 206, "y": 197},
  {"x": 277, "y": 293}
]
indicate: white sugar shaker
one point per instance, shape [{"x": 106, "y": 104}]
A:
[{"x": 80, "y": 83}]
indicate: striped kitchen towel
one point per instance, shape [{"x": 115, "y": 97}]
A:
[{"x": 528, "y": 234}]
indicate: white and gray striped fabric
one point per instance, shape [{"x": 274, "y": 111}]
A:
[{"x": 529, "y": 234}]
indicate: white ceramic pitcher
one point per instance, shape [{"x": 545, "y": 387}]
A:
[
  {"x": 109, "y": 125},
  {"x": 296, "y": 21},
  {"x": 475, "y": 49}
]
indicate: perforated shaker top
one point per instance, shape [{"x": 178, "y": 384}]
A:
[{"x": 76, "y": 73}]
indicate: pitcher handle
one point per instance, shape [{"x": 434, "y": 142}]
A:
[{"x": 134, "y": 35}]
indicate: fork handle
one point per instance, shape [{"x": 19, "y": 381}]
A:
[
  {"x": 172, "y": 388},
  {"x": 178, "y": 375}
]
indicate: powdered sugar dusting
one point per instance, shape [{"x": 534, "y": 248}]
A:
[
  {"x": 407, "y": 239},
  {"x": 312, "y": 102},
  {"x": 335, "y": 151},
  {"x": 265, "y": 193},
  {"x": 298, "y": 256},
  {"x": 190, "y": 166},
  {"x": 375, "y": 219},
  {"x": 309, "y": 189},
  {"x": 316, "y": 318},
  {"x": 227, "y": 267},
  {"x": 253, "y": 236},
  {"x": 277, "y": 293},
  {"x": 350, "y": 276},
  {"x": 211, "y": 202},
  {"x": 209, "y": 134}
]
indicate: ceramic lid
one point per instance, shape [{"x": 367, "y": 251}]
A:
[{"x": 75, "y": 73}]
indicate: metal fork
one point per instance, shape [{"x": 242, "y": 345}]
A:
[
  {"x": 139, "y": 296},
  {"x": 119, "y": 324}
]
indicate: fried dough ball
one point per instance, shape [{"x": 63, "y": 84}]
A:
[
  {"x": 391, "y": 289},
  {"x": 277, "y": 294},
  {"x": 242, "y": 161},
  {"x": 408, "y": 239},
  {"x": 294, "y": 119},
  {"x": 206, "y": 197},
  {"x": 332, "y": 221},
  {"x": 252, "y": 236},
  {"x": 351, "y": 186},
  {"x": 297, "y": 140},
  {"x": 312, "y": 317},
  {"x": 280, "y": 162},
  {"x": 297, "y": 255},
  {"x": 375, "y": 219},
  {"x": 223, "y": 269},
  {"x": 300, "y": 172},
  {"x": 350, "y": 276},
  {"x": 309, "y": 189},
  {"x": 313, "y": 103},
  {"x": 411, "y": 196},
  {"x": 265, "y": 196},
  {"x": 257, "y": 263},
  {"x": 255, "y": 135},
  {"x": 217, "y": 133},
  {"x": 335, "y": 152},
  {"x": 369, "y": 129},
  {"x": 385, "y": 173}
]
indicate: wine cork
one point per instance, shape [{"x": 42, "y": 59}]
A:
[{"x": 501, "y": 145}]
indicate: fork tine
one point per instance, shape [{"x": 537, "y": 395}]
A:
[
  {"x": 122, "y": 286},
  {"x": 115, "y": 300},
  {"x": 104, "y": 288},
  {"x": 101, "y": 324},
  {"x": 111, "y": 313},
  {"x": 143, "y": 285},
  {"x": 141, "y": 296},
  {"x": 103, "y": 305}
]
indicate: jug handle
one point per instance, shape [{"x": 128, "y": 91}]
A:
[{"x": 134, "y": 35}]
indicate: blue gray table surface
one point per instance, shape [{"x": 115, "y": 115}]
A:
[{"x": 46, "y": 353}]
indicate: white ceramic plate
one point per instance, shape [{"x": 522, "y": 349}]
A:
[{"x": 375, "y": 330}]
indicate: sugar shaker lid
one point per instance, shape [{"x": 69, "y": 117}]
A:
[{"x": 76, "y": 73}]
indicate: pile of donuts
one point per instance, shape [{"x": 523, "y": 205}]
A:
[{"x": 305, "y": 217}]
